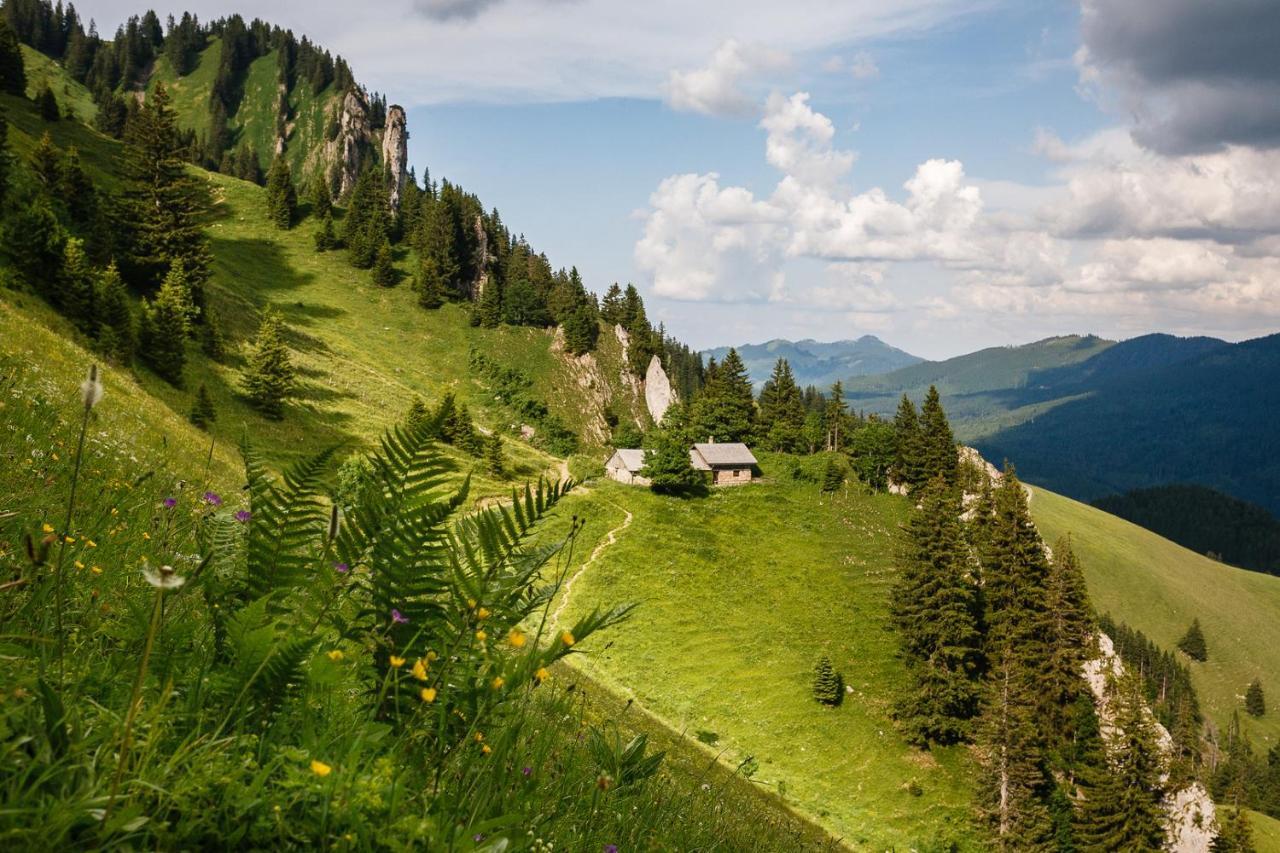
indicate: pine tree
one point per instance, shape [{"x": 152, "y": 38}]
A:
[
  {"x": 368, "y": 220},
  {"x": 321, "y": 200},
  {"x": 47, "y": 103},
  {"x": 935, "y": 609},
  {"x": 781, "y": 411},
  {"x": 1070, "y": 626},
  {"x": 493, "y": 456},
  {"x": 832, "y": 477},
  {"x": 210, "y": 334},
  {"x": 417, "y": 414},
  {"x": 835, "y": 417},
  {"x": 1015, "y": 573},
  {"x": 1193, "y": 643},
  {"x": 488, "y": 310},
  {"x": 1235, "y": 831},
  {"x": 613, "y": 306},
  {"x": 325, "y": 237},
  {"x": 827, "y": 687},
  {"x": 117, "y": 329},
  {"x": 667, "y": 465},
  {"x": 725, "y": 410},
  {"x": 441, "y": 271},
  {"x": 384, "y": 269},
  {"x": 1254, "y": 701},
  {"x": 937, "y": 443},
  {"x": 76, "y": 291},
  {"x": 282, "y": 198},
  {"x": 1122, "y": 809},
  {"x": 203, "y": 414},
  {"x": 908, "y": 464},
  {"x": 13, "y": 75},
  {"x": 76, "y": 190},
  {"x": 429, "y": 284},
  {"x": 163, "y": 209},
  {"x": 269, "y": 375},
  {"x": 581, "y": 330},
  {"x": 166, "y": 323},
  {"x": 46, "y": 163}
]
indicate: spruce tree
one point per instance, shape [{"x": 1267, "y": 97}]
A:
[
  {"x": 1235, "y": 831},
  {"x": 76, "y": 291},
  {"x": 488, "y": 310},
  {"x": 1254, "y": 701},
  {"x": 269, "y": 375},
  {"x": 203, "y": 414},
  {"x": 429, "y": 284},
  {"x": 13, "y": 75},
  {"x": 935, "y": 610},
  {"x": 781, "y": 411},
  {"x": 418, "y": 413},
  {"x": 667, "y": 465},
  {"x": 326, "y": 238},
  {"x": 163, "y": 208},
  {"x": 166, "y": 323},
  {"x": 321, "y": 199},
  {"x": 35, "y": 241},
  {"x": 581, "y": 329},
  {"x": 1193, "y": 643},
  {"x": 441, "y": 270},
  {"x": 908, "y": 463},
  {"x": 46, "y": 163},
  {"x": 937, "y": 443},
  {"x": 1015, "y": 573},
  {"x": 493, "y": 460},
  {"x": 117, "y": 329},
  {"x": 384, "y": 269},
  {"x": 827, "y": 687},
  {"x": 47, "y": 103},
  {"x": 1070, "y": 625},
  {"x": 725, "y": 409},
  {"x": 368, "y": 220},
  {"x": 282, "y": 198},
  {"x": 210, "y": 334},
  {"x": 832, "y": 476},
  {"x": 613, "y": 306},
  {"x": 76, "y": 190},
  {"x": 835, "y": 417},
  {"x": 871, "y": 449}
]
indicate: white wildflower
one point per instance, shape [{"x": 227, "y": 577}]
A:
[
  {"x": 162, "y": 578},
  {"x": 91, "y": 388}
]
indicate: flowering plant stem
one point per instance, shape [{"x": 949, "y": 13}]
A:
[{"x": 58, "y": 576}]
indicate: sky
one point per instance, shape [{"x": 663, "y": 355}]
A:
[{"x": 944, "y": 174}]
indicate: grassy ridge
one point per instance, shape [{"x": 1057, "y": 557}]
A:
[
  {"x": 1158, "y": 587},
  {"x": 740, "y": 593}
]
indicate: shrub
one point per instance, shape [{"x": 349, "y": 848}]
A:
[{"x": 828, "y": 685}]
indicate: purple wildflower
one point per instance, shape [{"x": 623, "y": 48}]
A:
[
  {"x": 397, "y": 618},
  {"x": 243, "y": 516},
  {"x": 478, "y": 837},
  {"x": 170, "y": 503},
  {"x": 611, "y": 848},
  {"x": 212, "y": 499},
  {"x": 528, "y": 771},
  {"x": 341, "y": 568}
]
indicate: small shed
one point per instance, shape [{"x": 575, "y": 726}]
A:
[
  {"x": 624, "y": 466},
  {"x": 730, "y": 463}
]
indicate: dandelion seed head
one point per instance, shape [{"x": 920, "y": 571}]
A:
[
  {"x": 91, "y": 388},
  {"x": 162, "y": 578}
]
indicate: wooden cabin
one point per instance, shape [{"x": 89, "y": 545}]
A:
[
  {"x": 729, "y": 464},
  {"x": 624, "y": 466}
]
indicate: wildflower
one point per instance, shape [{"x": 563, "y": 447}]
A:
[
  {"x": 69, "y": 539},
  {"x": 79, "y": 565},
  {"x": 47, "y": 528},
  {"x": 471, "y": 604},
  {"x": 243, "y": 516},
  {"x": 97, "y": 570},
  {"x": 397, "y": 618},
  {"x": 146, "y": 535},
  {"x": 320, "y": 768},
  {"x": 497, "y": 682},
  {"x": 334, "y": 655},
  {"x": 115, "y": 511},
  {"x": 516, "y": 639},
  {"x": 611, "y": 848},
  {"x": 485, "y": 749},
  {"x": 481, "y": 636},
  {"x": 527, "y": 771},
  {"x": 55, "y": 456},
  {"x": 163, "y": 578},
  {"x": 419, "y": 670},
  {"x": 541, "y": 675},
  {"x": 567, "y": 638},
  {"x": 91, "y": 388},
  {"x": 431, "y": 656},
  {"x": 482, "y": 613},
  {"x": 396, "y": 662},
  {"x": 89, "y": 543},
  {"x": 479, "y": 737},
  {"x": 341, "y": 568},
  {"x": 212, "y": 499},
  {"x": 428, "y": 694},
  {"x": 170, "y": 503}
]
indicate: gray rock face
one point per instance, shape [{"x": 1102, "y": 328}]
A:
[
  {"x": 483, "y": 259},
  {"x": 658, "y": 393},
  {"x": 346, "y": 149},
  {"x": 395, "y": 151}
]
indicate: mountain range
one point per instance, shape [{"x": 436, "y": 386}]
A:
[{"x": 819, "y": 363}]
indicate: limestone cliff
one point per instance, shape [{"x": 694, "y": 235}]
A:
[
  {"x": 395, "y": 152},
  {"x": 346, "y": 151},
  {"x": 658, "y": 393}
]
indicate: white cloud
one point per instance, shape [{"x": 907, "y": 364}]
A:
[
  {"x": 861, "y": 65},
  {"x": 719, "y": 87}
]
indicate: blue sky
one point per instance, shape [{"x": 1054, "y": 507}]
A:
[{"x": 946, "y": 174}]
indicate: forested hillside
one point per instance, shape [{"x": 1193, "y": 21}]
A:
[{"x": 819, "y": 363}]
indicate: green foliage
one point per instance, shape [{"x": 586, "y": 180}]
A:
[
  {"x": 282, "y": 198},
  {"x": 166, "y": 323},
  {"x": 326, "y": 239},
  {"x": 203, "y": 413},
  {"x": 937, "y": 444},
  {"x": 368, "y": 221},
  {"x": 1193, "y": 644},
  {"x": 832, "y": 476},
  {"x": 781, "y": 411},
  {"x": 908, "y": 461},
  {"x": 667, "y": 465},
  {"x": 1254, "y": 700},
  {"x": 828, "y": 685},
  {"x": 872, "y": 447},
  {"x": 584, "y": 467},
  {"x": 513, "y": 389},
  {"x": 47, "y": 103},
  {"x": 269, "y": 376},
  {"x": 1070, "y": 629},
  {"x": 34, "y": 240},
  {"x": 13, "y": 76},
  {"x": 117, "y": 327},
  {"x": 493, "y": 458},
  {"x": 725, "y": 408},
  {"x": 581, "y": 330}
]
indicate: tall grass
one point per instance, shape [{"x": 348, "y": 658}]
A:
[{"x": 252, "y": 670}]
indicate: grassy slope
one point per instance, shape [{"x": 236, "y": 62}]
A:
[
  {"x": 740, "y": 593},
  {"x": 1266, "y": 833},
  {"x": 43, "y": 71},
  {"x": 1158, "y": 587}
]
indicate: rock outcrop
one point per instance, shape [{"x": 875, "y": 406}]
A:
[
  {"x": 483, "y": 259},
  {"x": 658, "y": 393},
  {"x": 395, "y": 152},
  {"x": 352, "y": 142}
]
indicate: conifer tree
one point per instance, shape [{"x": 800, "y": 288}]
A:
[
  {"x": 75, "y": 291},
  {"x": 581, "y": 329},
  {"x": 832, "y": 476},
  {"x": 203, "y": 414},
  {"x": 163, "y": 209},
  {"x": 871, "y": 449},
  {"x": 466, "y": 436},
  {"x": 368, "y": 221},
  {"x": 827, "y": 687},
  {"x": 210, "y": 334},
  {"x": 417, "y": 414},
  {"x": 1015, "y": 572},
  {"x": 269, "y": 377},
  {"x": 725, "y": 409},
  {"x": 1254, "y": 701},
  {"x": 1070, "y": 626},
  {"x": 835, "y": 417},
  {"x": 35, "y": 241},
  {"x": 1193, "y": 642},
  {"x": 667, "y": 465},
  {"x": 488, "y": 310},
  {"x": 46, "y": 163},
  {"x": 781, "y": 411},
  {"x": 326, "y": 238},
  {"x": 47, "y": 103},
  {"x": 429, "y": 284},
  {"x": 76, "y": 190},
  {"x": 13, "y": 75},
  {"x": 613, "y": 306},
  {"x": 908, "y": 464},
  {"x": 441, "y": 271},
  {"x": 1235, "y": 831},
  {"x": 493, "y": 456},
  {"x": 166, "y": 323},
  {"x": 937, "y": 443},
  {"x": 117, "y": 329},
  {"x": 935, "y": 609},
  {"x": 321, "y": 199},
  {"x": 6, "y": 155},
  {"x": 282, "y": 198},
  {"x": 384, "y": 269}
]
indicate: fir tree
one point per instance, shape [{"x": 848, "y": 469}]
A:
[
  {"x": 937, "y": 443},
  {"x": 418, "y": 414},
  {"x": 368, "y": 222},
  {"x": 493, "y": 460},
  {"x": 47, "y": 103},
  {"x": 935, "y": 609},
  {"x": 429, "y": 284},
  {"x": 13, "y": 75},
  {"x": 203, "y": 414},
  {"x": 326, "y": 238},
  {"x": 1193, "y": 643},
  {"x": 488, "y": 310},
  {"x": 725, "y": 410},
  {"x": 1070, "y": 626},
  {"x": 1254, "y": 702},
  {"x": 871, "y": 452},
  {"x": 210, "y": 334},
  {"x": 46, "y": 163},
  {"x": 76, "y": 190},
  {"x": 1235, "y": 831},
  {"x": 835, "y": 417},
  {"x": 1015, "y": 572},
  {"x": 35, "y": 241},
  {"x": 384, "y": 269},
  {"x": 827, "y": 687},
  {"x": 581, "y": 329},
  {"x": 781, "y": 411},
  {"x": 667, "y": 465},
  {"x": 269, "y": 378},
  {"x": 613, "y": 306},
  {"x": 321, "y": 199},
  {"x": 282, "y": 198},
  {"x": 908, "y": 463},
  {"x": 117, "y": 329},
  {"x": 163, "y": 208},
  {"x": 76, "y": 292},
  {"x": 166, "y": 322},
  {"x": 440, "y": 273},
  {"x": 832, "y": 477}
]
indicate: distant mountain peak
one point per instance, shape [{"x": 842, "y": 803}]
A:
[{"x": 817, "y": 362}]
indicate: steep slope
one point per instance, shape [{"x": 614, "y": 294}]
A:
[{"x": 819, "y": 363}]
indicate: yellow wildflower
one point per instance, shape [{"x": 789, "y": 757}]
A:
[
  {"x": 89, "y": 543},
  {"x": 471, "y": 604},
  {"x": 320, "y": 768},
  {"x": 481, "y": 636},
  {"x": 431, "y": 656},
  {"x": 428, "y": 694},
  {"x": 115, "y": 511},
  {"x": 567, "y": 638},
  {"x": 497, "y": 682},
  {"x": 485, "y": 749},
  {"x": 396, "y": 662},
  {"x": 47, "y": 528},
  {"x": 334, "y": 655},
  {"x": 419, "y": 670},
  {"x": 482, "y": 613},
  {"x": 69, "y": 539},
  {"x": 146, "y": 535},
  {"x": 542, "y": 675},
  {"x": 515, "y": 638},
  {"x": 79, "y": 565},
  {"x": 97, "y": 570},
  {"x": 55, "y": 456},
  {"x": 479, "y": 737}
]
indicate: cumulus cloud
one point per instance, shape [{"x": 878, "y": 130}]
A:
[
  {"x": 1197, "y": 76},
  {"x": 719, "y": 87}
]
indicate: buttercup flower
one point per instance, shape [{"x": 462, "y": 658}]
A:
[
  {"x": 320, "y": 768},
  {"x": 334, "y": 655},
  {"x": 419, "y": 670},
  {"x": 396, "y": 662},
  {"x": 47, "y": 528},
  {"x": 516, "y": 639},
  {"x": 481, "y": 636},
  {"x": 497, "y": 682},
  {"x": 428, "y": 694},
  {"x": 541, "y": 675},
  {"x": 482, "y": 613},
  {"x": 567, "y": 638},
  {"x": 485, "y": 749}
]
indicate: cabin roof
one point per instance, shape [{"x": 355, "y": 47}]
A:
[
  {"x": 632, "y": 458},
  {"x": 717, "y": 455}
]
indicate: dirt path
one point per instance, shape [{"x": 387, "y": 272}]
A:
[{"x": 610, "y": 538}]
